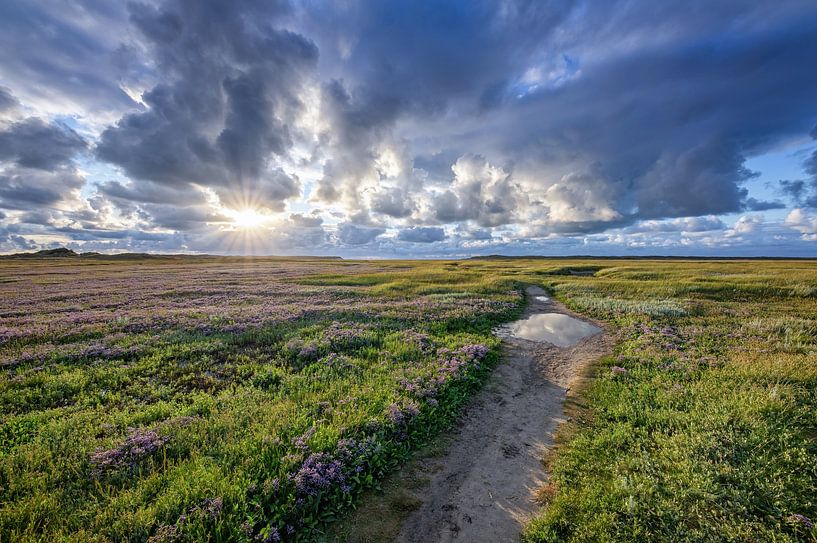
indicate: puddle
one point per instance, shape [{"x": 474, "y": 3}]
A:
[
  {"x": 542, "y": 298},
  {"x": 560, "y": 330}
]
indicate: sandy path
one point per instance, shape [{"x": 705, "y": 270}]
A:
[{"x": 482, "y": 489}]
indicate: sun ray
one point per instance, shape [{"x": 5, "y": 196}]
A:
[{"x": 247, "y": 218}]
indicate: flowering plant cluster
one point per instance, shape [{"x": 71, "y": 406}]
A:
[
  {"x": 138, "y": 445},
  {"x": 260, "y": 397}
]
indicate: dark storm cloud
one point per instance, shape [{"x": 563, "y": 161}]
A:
[
  {"x": 150, "y": 192},
  {"x": 37, "y": 165},
  {"x": 394, "y": 203},
  {"x": 418, "y": 57},
  {"x": 655, "y": 106},
  {"x": 793, "y": 188},
  {"x": 352, "y": 234},
  {"x": 25, "y": 189},
  {"x": 62, "y": 52},
  {"x": 38, "y": 216},
  {"x": 753, "y": 204},
  {"x": 803, "y": 192},
  {"x": 181, "y": 218},
  {"x": 302, "y": 221},
  {"x": 413, "y": 60},
  {"x": 670, "y": 127},
  {"x": 531, "y": 118},
  {"x": 7, "y": 99},
  {"x": 220, "y": 116},
  {"x": 421, "y": 234},
  {"x": 33, "y": 143}
]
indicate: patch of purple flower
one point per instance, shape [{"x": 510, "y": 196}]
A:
[
  {"x": 274, "y": 536},
  {"x": 300, "y": 442},
  {"x": 346, "y": 335},
  {"x": 99, "y": 350},
  {"x": 803, "y": 520},
  {"x": 212, "y": 507},
  {"x": 421, "y": 340},
  {"x": 401, "y": 416},
  {"x": 476, "y": 351},
  {"x": 318, "y": 473},
  {"x": 139, "y": 444},
  {"x": 309, "y": 352}
]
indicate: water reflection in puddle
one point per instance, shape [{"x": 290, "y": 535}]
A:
[
  {"x": 561, "y": 330},
  {"x": 542, "y": 298}
]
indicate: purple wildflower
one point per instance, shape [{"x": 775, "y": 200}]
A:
[
  {"x": 618, "y": 370},
  {"x": 274, "y": 536},
  {"x": 402, "y": 415},
  {"x": 318, "y": 472},
  {"x": 139, "y": 444},
  {"x": 300, "y": 442},
  {"x": 308, "y": 352},
  {"x": 421, "y": 340},
  {"x": 476, "y": 351},
  {"x": 803, "y": 520},
  {"x": 212, "y": 506}
]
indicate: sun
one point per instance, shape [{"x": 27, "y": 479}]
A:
[{"x": 247, "y": 218}]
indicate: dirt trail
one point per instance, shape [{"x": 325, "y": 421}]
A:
[{"x": 482, "y": 489}]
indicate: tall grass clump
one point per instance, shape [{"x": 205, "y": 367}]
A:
[{"x": 612, "y": 306}]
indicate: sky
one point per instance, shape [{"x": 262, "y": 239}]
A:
[{"x": 409, "y": 128}]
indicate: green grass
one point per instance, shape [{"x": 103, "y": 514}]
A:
[
  {"x": 232, "y": 414},
  {"x": 709, "y": 435}
]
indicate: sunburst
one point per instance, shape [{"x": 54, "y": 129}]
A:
[{"x": 247, "y": 218}]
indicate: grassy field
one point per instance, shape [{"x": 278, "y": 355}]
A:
[
  {"x": 207, "y": 399},
  {"x": 703, "y": 426}
]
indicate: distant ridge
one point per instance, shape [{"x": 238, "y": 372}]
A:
[{"x": 62, "y": 252}]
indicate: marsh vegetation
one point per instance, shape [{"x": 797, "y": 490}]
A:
[{"x": 258, "y": 399}]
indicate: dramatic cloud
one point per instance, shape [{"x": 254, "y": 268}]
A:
[
  {"x": 803, "y": 192},
  {"x": 60, "y": 58},
  {"x": 37, "y": 168},
  {"x": 33, "y": 143},
  {"x": 480, "y": 192},
  {"x": 26, "y": 189},
  {"x": 378, "y": 127},
  {"x": 220, "y": 116},
  {"x": 421, "y": 234},
  {"x": 352, "y": 234},
  {"x": 7, "y": 100}
]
